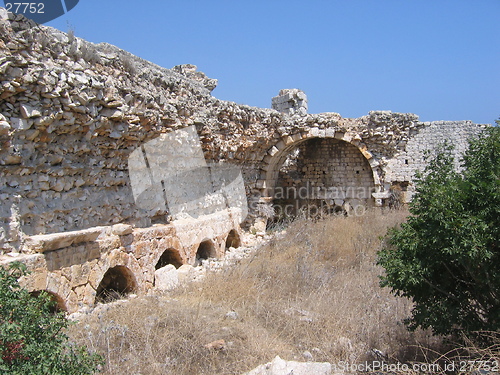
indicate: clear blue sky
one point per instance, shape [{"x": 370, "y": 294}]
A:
[{"x": 439, "y": 59}]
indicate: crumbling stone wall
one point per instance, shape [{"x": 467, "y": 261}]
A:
[
  {"x": 291, "y": 102},
  {"x": 72, "y": 113},
  {"x": 400, "y": 170}
]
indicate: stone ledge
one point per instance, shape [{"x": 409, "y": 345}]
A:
[
  {"x": 382, "y": 195},
  {"x": 50, "y": 242}
]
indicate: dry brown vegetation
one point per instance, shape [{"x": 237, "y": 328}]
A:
[{"x": 314, "y": 288}]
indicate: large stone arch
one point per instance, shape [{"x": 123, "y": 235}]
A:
[
  {"x": 277, "y": 154},
  {"x": 156, "y": 248},
  {"x": 60, "y": 286},
  {"x": 159, "y": 246}
]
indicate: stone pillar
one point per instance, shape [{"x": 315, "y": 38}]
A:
[{"x": 291, "y": 102}]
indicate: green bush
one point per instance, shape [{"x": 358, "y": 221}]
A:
[
  {"x": 32, "y": 338},
  {"x": 446, "y": 257}
]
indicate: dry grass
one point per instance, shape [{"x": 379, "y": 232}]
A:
[{"x": 314, "y": 288}]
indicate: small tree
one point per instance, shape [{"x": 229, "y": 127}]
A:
[
  {"x": 32, "y": 338},
  {"x": 446, "y": 257}
]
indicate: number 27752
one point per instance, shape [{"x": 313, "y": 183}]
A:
[{"x": 25, "y": 7}]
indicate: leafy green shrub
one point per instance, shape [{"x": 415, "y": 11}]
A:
[
  {"x": 446, "y": 257},
  {"x": 32, "y": 338}
]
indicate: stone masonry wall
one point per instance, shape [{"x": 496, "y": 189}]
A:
[
  {"x": 290, "y": 101},
  {"x": 327, "y": 163},
  {"x": 401, "y": 169},
  {"x": 72, "y": 112},
  {"x": 71, "y": 115},
  {"x": 326, "y": 171}
]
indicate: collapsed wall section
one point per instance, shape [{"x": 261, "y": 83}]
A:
[{"x": 71, "y": 113}]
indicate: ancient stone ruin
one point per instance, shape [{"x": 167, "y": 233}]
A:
[{"x": 112, "y": 168}]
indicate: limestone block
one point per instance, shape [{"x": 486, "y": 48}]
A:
[
  {"x": 280, "y": 145},
  {"x": 79, "y": 274},
  {"x": 185, "y": 273},
  {"x": 108, "y": 244},
  {"x": 112, "y": 113},
  {"x": 55, "y": 281},
  {"x": 122, "y": 229},
  {"x": 314, "y": 132},
  {"x": 273, "y": 151},
  {"x": 95, "y": 275},
  {"x": 166, "y": 278},
  {"x": 28, "y": 111},
  {"x": 4, "y": 128},
  {"x": 329, "y": 133},
  {"x": 281, "y": 367},
  {"x": 20, "y": 123},
  {"x": 57, "y": 185},
  {"x": 142, "y": 248},
  {"x": 12, "y": 160},
  {"x": 39, "y": 281},
  {"x": 85, "y": 294},
  {"x": 71, "y": 302},
  {"x": 367, "y": 154}
]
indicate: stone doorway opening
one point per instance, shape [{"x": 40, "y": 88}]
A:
[
  {"x": 117, "y": 283},
  {"x": 318, "y": 177},
  {"x": 233, "y": 240},
  {"x": 169, "y": 256},
  {"x": 205, "y": 250}
]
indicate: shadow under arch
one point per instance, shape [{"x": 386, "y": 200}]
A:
[
  {"x": 282, "y": 151},
  {"x": 206, "y": 250},
  {"x": 116, "y": 283},
  {"x": 169, "y": 256},
  {"x": 59, "y": 304},
  {"x": 233, "y": 239},
  {"x": 330, "y": 172}
]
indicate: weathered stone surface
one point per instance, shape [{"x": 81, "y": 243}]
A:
[
  {"x": 122, "y": 229},
  {"x": 28, "y": 111},
  {"x": 77, "y": 121},
  {"x": 77, "y": 124},
  {"x": 281, "y": 367},
  {"x": 166, "y": 278},
  {"x": 291, "y": 102},
  {"x": 185, "y": 273},
  {"x": 20, "y": 123},
  {"x": 4, "y": 128},
  {"x": 50, "y": 242}
]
